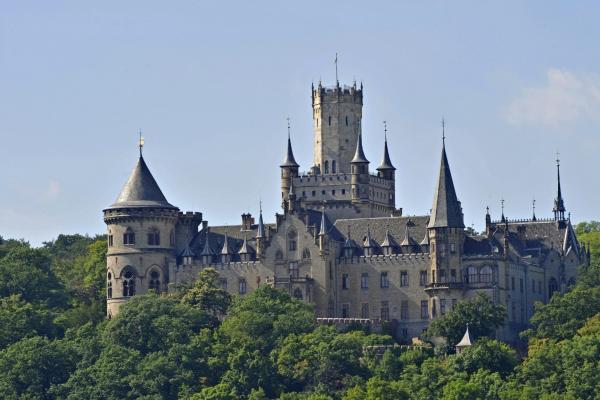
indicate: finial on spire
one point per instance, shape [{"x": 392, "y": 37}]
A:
[
  {"x": 385, "y": 130},
  {"x": 533, "y": 207},
  {"x": 336, "y": 69},
  {"x": 289, "y": 126},
  {"x": 557, "y": 159},
  {"x": 443, "y": 131},
  {"x": 502, "y": 205},
  {"x": 141, "y": 142}
]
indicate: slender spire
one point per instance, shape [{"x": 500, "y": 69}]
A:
[
  {"x": 289, "y": 160},
  {"x": 534, "y": 218},
  {"x": 368, "y": 243},
  {"x": 503, "y": 218},
  {"x": 359, "y": 155},
  {"x": 244, "y": 249},
  {"x": 141, "y": 143},
  {"x": 260, "y": 232},
  {"x": 206, "y": 251},
  {"x": 386, "y": 163},
  {"x": 446, "y": 211},
  {"x": 225, "y": 248},
  {"x": 559, "y": 204},
  {"x": 322, "y": 230},
  {"x": 408, "y": 241},
  {"x": 388, "y": 241}
]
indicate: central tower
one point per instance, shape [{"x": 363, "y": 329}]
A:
[{"x": 337, "y": 116}]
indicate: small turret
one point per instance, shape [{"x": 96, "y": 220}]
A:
[
  {"x": 386, "y": 169},
  {"x": 260, "y": 234},
  {"x": 289, "y": 170},
  {"x": 559, "y": 204},
  {"x": 245, "y": 251},
  {"x": 225, "y": 253},
  {"x": 322, "y": 232},
  {"x": 207, "y": 252},
  {"x": 360, "y": 173}
]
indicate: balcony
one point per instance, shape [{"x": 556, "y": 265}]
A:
[{"x": 445, "y": 286}]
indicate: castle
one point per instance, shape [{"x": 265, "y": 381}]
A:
[{"x": 341, "y": 244}]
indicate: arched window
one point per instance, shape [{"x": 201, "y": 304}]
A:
[
  {"x": 109, "y": 286},
  {"x": 278, "y": 255},
  {"x": 326, "y": 166},
  {"x": 154, "y": 283},
  {"x": 153, "y": 237},
  {"x": 129, "y": 237},
  {"x": 552, "y": 287},
  {"x": 333, "y": 167},
  {"x": 128, "y": 283},
  {"x": 485, "y": 274},
  {"x": 472, "y": 275},
  {"x": 305, "y": 254},
  {"x": 292, "y": 240},
  {"x": 298, "y": 294}
]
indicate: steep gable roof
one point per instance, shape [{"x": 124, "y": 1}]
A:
[{"x": 446, "y": 211}]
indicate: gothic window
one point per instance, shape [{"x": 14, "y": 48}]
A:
[
  {"x": 128, "y": 283},
  {"x": 292, "y": 237},
  {"x": 472, "y": 275},
  {"x": 153, "y": 237},
  {"x": 326, "y": 166},
  {"x": 242, "y": 286},
  {"x": 364, "y": 280},
  {"x": 486, "y": 274},
  {"x": 109, "y": 286},
  {"x": 294, "y": 270},
  {"x": 154, "y": 281},
  {"x": 129, "y": 237},
  {"x": 298, "y": 294},
  {"x": 333, "y": 167},
  {"x": 384, "y": 282},
  {"x": 552, "y": 287},
  {"x": 305, "y": 254}
]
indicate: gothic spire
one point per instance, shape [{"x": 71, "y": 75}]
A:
[
  {"x": 359, "y": 155},
  {"x": 225, "y": 248},
  {"x": 289, "y": 160},
  {"x": 244, "y": 249},
  {"x": 322, "y": 231},
  {"x": 559, "y": 204},
  {"x": 386, "y": 163},
  {"x": 206, "y": 251},
  {"x": 260, "y": 232},
  {"x": 446, "y": 211},
  {"x": 408, "y": 241}
]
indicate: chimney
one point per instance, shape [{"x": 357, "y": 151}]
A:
[{"x": 247, "y": 222}]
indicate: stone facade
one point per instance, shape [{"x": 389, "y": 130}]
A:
[{"x": 340, "y": 242}]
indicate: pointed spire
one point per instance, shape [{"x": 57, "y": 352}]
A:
[
  {"x": 322, "y": 230},
  {"x": 141, "y": 190},
  {"x": 446, "y": 211},
  {"x": 359, "y": 155},
  {"x": 503, "y": 218},
  {"x": 388, "y": 241},
  {"x": 289, "y": 160},
  {"x": 245, "y": 248},
  {"x": 534, "y": 218},
  {"x": 466, "y": 340},
  {"x": 559, "y": 204},
  {"x": 207, "y": 251},
  {"x": 386, "y": 163},
  {"x": 369, "y": 242},
  {"x": 260, "y": 232},
  {"x": 425, "y": 241},
  {"x": 225, "y": 248},
  {"x": 187, "y": 252}
]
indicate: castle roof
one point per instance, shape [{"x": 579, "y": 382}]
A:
[
  {"x": 386, "y": 163},
  {"x": 359, "y": 155},
  {"x": 408, "y": 241},
  {"x": 466, "y": 340},
  {"x": 141, "y": 190},
  {"x": 289, "y": 160},
  {"x": 446, "y": 211}
]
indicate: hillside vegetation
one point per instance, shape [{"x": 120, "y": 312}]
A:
[{"x": 56, "y": 344}]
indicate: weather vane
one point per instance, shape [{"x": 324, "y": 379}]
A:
[
  {"x": 288, "y": 121},
  {"x": 443, "y": 131},
  {"x": 141, "y": 143},
  {"x": 385, "y": 129}
]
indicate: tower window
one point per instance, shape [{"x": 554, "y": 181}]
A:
[
  {"x": 242, "y": 286},
  {"x": 154, "y": 281},
  {"x": 326, "y": 166},
  {"x": 153, "y": 237},
  {"x": 110, "y": 239},
  {"x": 109, "y": 286},
  {"x": 330, "y": 120},
  {"x": 346, "y": 120},
  {"x": 128, "y": 284},
  {"x": 364, "y": 280},
  {"x": 129, "y": 237},
  {"x": 333, "y": 167}
]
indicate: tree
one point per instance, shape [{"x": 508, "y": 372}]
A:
[
  {"x": 487, "y": 354},
  {"x": 480, "y": 313},
  {"x": 207, "y": 295},
  {"x": 19, "y": 319}
]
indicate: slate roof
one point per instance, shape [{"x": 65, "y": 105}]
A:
[
  {"x": 359, "y": 155},
  {"x": 141, "y": 190},
  {"x": 386, "y": 163},
  {"x": 289, "y": 160},
  {"x": 446, "y": 211}
]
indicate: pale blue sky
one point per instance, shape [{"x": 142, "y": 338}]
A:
[{"x": 211, "y": 85}]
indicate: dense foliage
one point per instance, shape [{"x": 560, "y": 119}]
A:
[{"x": 199, "y": 343}]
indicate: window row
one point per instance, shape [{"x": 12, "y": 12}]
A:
[
  {"x": 129, "y": 283},
  {"x": 313, "y": 193},
  {"x": 152, "y": 238},
  {"x": 384, "y": 281}
]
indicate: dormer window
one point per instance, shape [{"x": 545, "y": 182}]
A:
[
  {"x": 153, "y": 237},
  {"x": 129, "y": 237}
]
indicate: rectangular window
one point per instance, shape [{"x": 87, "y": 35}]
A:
[
  {"x": 404, "y": 310},
  {"x": 452, "y": 275},
  {"x": 383, "y": 280},
  {"x": 294, "y": 270},
  {"x": 442, "y": 306},
  {"x": 314, "y": 193},
  {"x": 452, "y": 248},
  {"x": 453, "y": 303},
  {"x": 424, "y": 311},
  {"x": 343, "y": 191},
  {"x": 345, "y": 281},
  {"x": 521, "y": 285},
  {"x": 333, "y": 192},
  {"x": 223, "y": 283},
  {"x": 364, "y": 310},
  {"x": 442, "y": 275},
  {"x": 242, "y": 286},
  {"x": 292, "y": 245},
  {"x": 385, "y": 310},
  {"x": 303, "y": 193},
  {"x": 512, "y": 283},
  {"x": 423, "y": 278},
  {"x": 404, "y": 278},
  {"x": 364, "y": 280},
  {"x": 345, "y": 310},
  {"x": 110, "y": 240}
]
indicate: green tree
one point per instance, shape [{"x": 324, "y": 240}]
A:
[
  {"x": 19, "y": 319},
  {"x": 207, "y": 295},
  {"x": 480, "y": 313},
  {"x": 487, "y": 354}
]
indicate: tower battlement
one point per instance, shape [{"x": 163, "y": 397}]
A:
[{"x": 334, "y": 94}]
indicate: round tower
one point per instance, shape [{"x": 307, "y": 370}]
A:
[
  {"x": 359, "y": 178},
  {"x": 141, "y": 239},
  {"x": 289, "y": 170}
]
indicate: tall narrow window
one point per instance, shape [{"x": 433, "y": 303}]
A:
[
  {"x": 128, "y": 284},
  {"x": 110, "y": 239},
  {"x": 442, "y": 306},
  {"x": 424, "y": 311},
  {"x": 129, "y": 237},
  {"x": 153, "y": 237},
  {"x": 242, "y": 286},
  {"x": 384, "y": 281},
  {"x": 154, "y": 281},
  {"x": 346, "y": 120},
  {"x": 404, "y": 310},
  {"x": 364, "y": 310},
  {"x": 345, "y": 310},
  {"x": 385, "y": 310},
  {"x": 333, "y": 167},
  {"x": 485, "y": 274},
  {"x": 552, "y": 287},
  {"x": 423, "y": 278},
  {"x": 329, "y": 119},
  {"x": 294, "y": 270},
  {"x": 364, "y": 280},
  {"x": 345, "y": 281},
  {"x": 404, "y": 278},
  {"x": 109, "y": 286},
  {"x": 472, "y": 275},
  {"x": 223, "y": 283},
  {"x": 326, "y": 166}
]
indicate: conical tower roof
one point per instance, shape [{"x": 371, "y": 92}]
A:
[
  {"x": 359, "y": 155},
  {"x": 260, "y": 231},
  {"x": 386, "y": 163},
  {"x": 225, "y": 248},
  {"x": 141, "y": 190},
  {"x": 245, "y": 249},
  {"x": 408, "y": 241},
  {"x": 388, "y": 240},
  {"x": 206, "y": 251},
  {"x": 289, "y": 160},
  {"x": 446, "y": 211}
]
